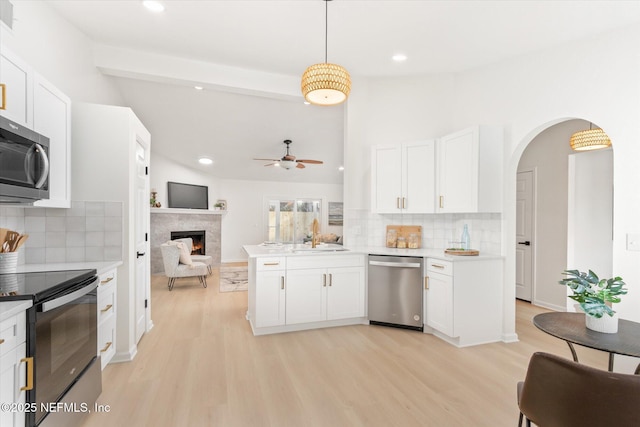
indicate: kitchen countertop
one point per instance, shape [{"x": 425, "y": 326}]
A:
[
  {"x": 11, "y": 308},
  {"x": 100, "y": 266},
  {"x": 255, "y": 251}
]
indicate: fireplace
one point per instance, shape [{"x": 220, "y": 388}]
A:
[{"x": 199, "y": 247}]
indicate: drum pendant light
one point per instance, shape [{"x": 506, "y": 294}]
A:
[
  {"x": 326, "y": 84},
  {"x": 591, "y": 139}
]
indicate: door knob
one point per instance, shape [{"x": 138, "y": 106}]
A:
[
  {"x": 526, "y": 243},
  {"x": 139, "y": 254}
]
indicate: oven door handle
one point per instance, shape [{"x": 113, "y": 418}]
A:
[{"x": 55, "y": 303}]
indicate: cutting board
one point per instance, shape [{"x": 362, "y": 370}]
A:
[
  {"x": 405, "y": 230},
  {"x": 469, "y": 252}
]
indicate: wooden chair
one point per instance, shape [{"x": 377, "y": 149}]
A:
[
  {"x": 173, "y": 269},
  {"x": 558, "y": 392}
]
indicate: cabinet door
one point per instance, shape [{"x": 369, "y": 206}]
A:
[
  {"x": 270, "y": 298},
  {"x": 306, "y": 295},
  {"x": 458, "y": 172},
  {"x": 15, "y": 74},
  {"x": 386, "y": 177},
  {"x": 52, "y": 118},
  {"x": 440, "y": 303},
  {"x": 345, "y": 293},
  {"x": 12, "y": 378},
  {"x": 418, "y": 177}
]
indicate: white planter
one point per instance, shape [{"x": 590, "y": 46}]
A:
[{"x": 606, "y": 324}]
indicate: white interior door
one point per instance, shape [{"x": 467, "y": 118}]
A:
[
  {"x": 524, "y": 235},
  {"x": 141, "y": 236}
]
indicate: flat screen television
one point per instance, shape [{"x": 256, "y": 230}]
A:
[{"x": 187, "y": 196}]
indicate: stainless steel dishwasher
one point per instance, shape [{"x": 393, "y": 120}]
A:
[{"x": 395, "y": 291}]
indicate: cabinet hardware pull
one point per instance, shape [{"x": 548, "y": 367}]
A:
[
  {"x": 3, "y": 106},
  {"x": 330, "y": 279},
  {"x": 107, "y": 308},
  {"x": 104, "y": 282},
  {"x": 29, "y": 362},
  {"x": 437, "y": 265},
  {"x": 404, "y": 205},
  {"x": 426, "y": 282},
  {"x": 281, "y": 282},
  {"x": 106, "y": 347},
  {"x": 1, "y": 340},
  {"x": 441, "y": 202},
  {"x": 324, "y": 280},
  {"x": 271, "y": 263},
  {"x": 398, "y": 202}
]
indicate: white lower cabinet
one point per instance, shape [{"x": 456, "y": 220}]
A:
[
  {"x": 439, "y": 304},
  {"x": 463, "y": 300},
  {"x": 107, "y": 316},
  {"x": 309, "y": 290},
  {"x": 270, "y": 298},
  {"x": 324, "y": 288},
  {"x": 16, "y": 371}
]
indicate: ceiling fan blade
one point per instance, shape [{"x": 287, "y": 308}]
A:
[
  {"x": 270, "y": 164},
  {"x": 314, "y": 162},
  {"x": 300, "y": 166},
  {"x": 269, "y": 160}
]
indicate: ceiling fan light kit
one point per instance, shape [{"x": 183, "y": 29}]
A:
[
  {"x": 326, "y": 84},
  {"x": 289, "y": 161}
]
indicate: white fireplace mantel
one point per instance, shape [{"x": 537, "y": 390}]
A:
[{"x": 187, "y": 211}]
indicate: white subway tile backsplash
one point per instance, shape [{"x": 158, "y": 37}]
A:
[
  {"x": 88, "y": 231},
  {"x": 95, "y": 223},
  {"x": 34, "y": 223}
]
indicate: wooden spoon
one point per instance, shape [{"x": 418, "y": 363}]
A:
[
  {"x": 3, "y": 236},
  {"x": 23, "y": 238},
  {"x": 12, "y": 239}
]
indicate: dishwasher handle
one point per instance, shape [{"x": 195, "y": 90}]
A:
[{"x": 396, "y": 264}]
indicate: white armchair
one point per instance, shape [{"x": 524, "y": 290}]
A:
[
  {"x": 205, "y": 259},
  {"x": 173, "y": 269}
]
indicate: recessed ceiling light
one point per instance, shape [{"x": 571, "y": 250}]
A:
[
  {"x": 205, "y": 161},
  {"x": 198, "y": 87},
  {"x": 307, "y": 103},
  {"x": 340, "y": 168},
  {"x": 153, "y": 6},
  {"x": 399, "y": 57}
]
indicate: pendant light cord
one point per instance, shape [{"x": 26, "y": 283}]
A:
[{"x": 326, "y": 28}]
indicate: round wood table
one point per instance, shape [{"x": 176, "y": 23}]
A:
[{"x": 571, "y": 328}]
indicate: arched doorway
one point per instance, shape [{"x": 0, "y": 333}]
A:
[{"x": 564, "y": 204}]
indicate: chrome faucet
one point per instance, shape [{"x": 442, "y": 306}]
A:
[{"x": 314, "y": 228}]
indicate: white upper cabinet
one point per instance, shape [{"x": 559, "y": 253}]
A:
[
  {"x": 52, "y": 118},
  {"x": 16, "y": 91},
  {"x": 403, "y": 178},
  {"x": 33, "y": 102},
  {"x": 470, "y": 171}
]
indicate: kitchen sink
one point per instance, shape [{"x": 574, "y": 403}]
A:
[{"x": 320, "y": 248}]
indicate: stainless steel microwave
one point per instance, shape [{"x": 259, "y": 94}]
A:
[{"x": 24, "y": 164}]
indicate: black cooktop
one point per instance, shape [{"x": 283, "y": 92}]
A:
[{"x": 42, "y": 285}]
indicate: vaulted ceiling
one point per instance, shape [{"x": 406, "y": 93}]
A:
[{"x": 251, "y": 55}]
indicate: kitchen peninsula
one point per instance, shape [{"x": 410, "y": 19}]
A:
[{"x": 296, "y": 287}]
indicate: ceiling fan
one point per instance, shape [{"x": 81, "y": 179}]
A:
[{"x": 289, "y": 161}]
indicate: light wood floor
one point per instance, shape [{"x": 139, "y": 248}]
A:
[{"x": 201, "y": 366}]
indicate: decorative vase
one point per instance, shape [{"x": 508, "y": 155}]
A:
[{"x": 606, "y": 324}]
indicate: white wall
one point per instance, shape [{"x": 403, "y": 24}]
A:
[
  {"x": 548, "y": 154},
  {"x": 163, "y": 170},
  {"x": 59, "y": 52},
  {"x": 589, "y": 244},
  {"x": 245, "y": 222},
  {"x": 525, "y": 95}
]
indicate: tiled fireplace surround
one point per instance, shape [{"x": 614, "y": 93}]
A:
[{"x": 164, "y": 222}]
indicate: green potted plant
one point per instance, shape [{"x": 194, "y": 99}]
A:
[{"x": 595, "y": 297}]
